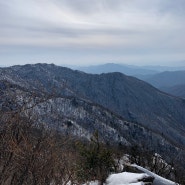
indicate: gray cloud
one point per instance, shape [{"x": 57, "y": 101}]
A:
[{"x": 67, "y": 31}]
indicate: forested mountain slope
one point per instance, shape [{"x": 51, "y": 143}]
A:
[{"x": 127, "y": 96}]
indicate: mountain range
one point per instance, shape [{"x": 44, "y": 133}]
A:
[
  {"x": 112, "y": 67},
  {"x": 176, "y": 90},
  {"x": 123, "y": 109},
  {"x": 168, "y": 79},
  {"x": 172, "y": 82},
  {"x": 131, "y": 70}
]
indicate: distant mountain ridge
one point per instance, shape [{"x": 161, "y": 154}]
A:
[
  {"x": 177, "y": 90},
  {"x": 129, "y": 97},
  {"x": 131, "y": 70},
  {"x": 168, "y": 79},
  {"x": 112, "y": 67},
  {"x": 172, "y": 82}
]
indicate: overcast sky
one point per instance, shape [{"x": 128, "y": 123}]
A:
[{"x": 83, "y": 32}]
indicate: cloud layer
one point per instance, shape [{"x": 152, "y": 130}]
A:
[{"x": 96, "y": 31}]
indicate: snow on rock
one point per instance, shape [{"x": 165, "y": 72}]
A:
[
  {"x": 126, "y": 178},
  {"x": 92, "y": 183},
  {"x": 158, "y": 179}
]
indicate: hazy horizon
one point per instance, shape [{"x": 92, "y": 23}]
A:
[
  {"x": 157, "y": 67},
  {"x": 66, "y": 32}
]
